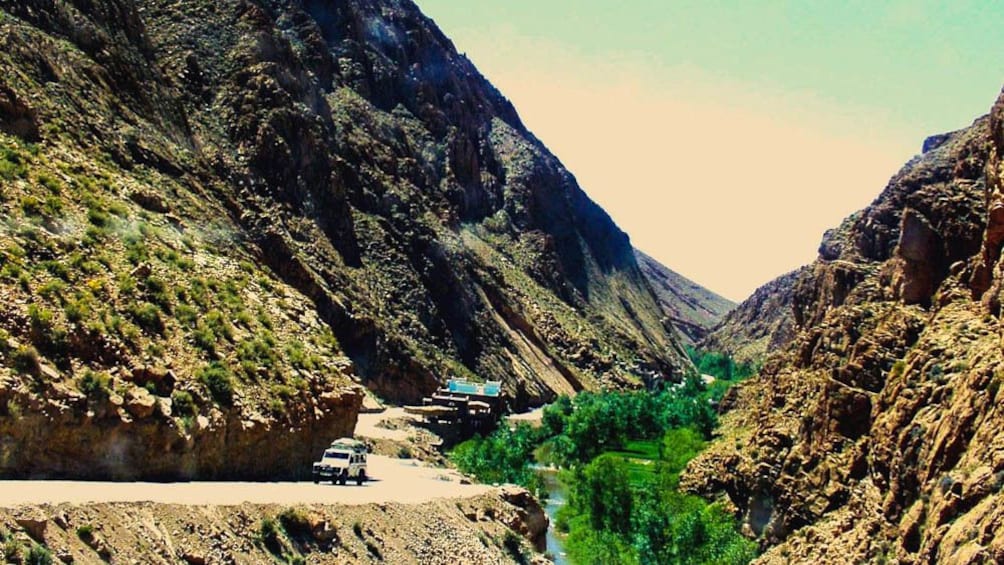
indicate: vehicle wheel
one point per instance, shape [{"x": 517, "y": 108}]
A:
[
  {"x": 341, "y": 480},
  {"x": 361, "y": 478}
]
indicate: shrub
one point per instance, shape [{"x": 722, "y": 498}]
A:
[
  {"x": 295, "y": 522},
  {"x": 513, "y": 545},
  {"x": 98, "y": 217},
  {"x": 183, "y": 404},
  {"x": 85, "y": 533},
  {"x": 95, "y": 385},
  {"x": 268, "y": 532},
  {"x": 219, "y": 381},
  {"x": 12, "y": 165},
  {"x": 50, "y": 182},
  {"x": 31, "y": 206},
  {"x": 52, "y": 207},
  {"x": 157, "y": 291},
  {"x": 52, "y": 289},
  {"x": 37, "y": 555},
  {"x": 77, "y": 310},
  {"x": 147, "y": 316},
  {"x": 25, "y": 360},
  {"x": 11, "y": 551}
]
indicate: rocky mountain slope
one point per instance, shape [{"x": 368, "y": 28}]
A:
[
  {"x": 762, "y": 324},
  {"x": 692, "y": 309},
  {"x": 501, "y": 527},
  {"x": 874, "y": 435},
  {"x": 220, "y": 217}
]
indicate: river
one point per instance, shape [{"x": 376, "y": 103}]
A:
[{"x": 555, "y": 500}]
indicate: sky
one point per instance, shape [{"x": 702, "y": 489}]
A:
[{"x": 726, "y": 137}]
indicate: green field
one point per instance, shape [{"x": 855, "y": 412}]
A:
[{"x": 642, "y": 458}]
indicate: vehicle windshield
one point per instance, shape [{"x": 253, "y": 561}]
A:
[{"x": 336, "y": 455}]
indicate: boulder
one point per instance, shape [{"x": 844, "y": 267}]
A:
[{"x": 140, "y": 403}]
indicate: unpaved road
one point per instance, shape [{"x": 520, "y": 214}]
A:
[{"x": 392, "y": 480}]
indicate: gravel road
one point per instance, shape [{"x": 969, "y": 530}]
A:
[{"x": 391, "y": 480}]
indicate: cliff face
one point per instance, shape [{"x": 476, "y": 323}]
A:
[
  {"x": 692, "y": 309},
  {"x": 874, "y": 435},
  {"x": 762, "y": 324},
  {"x": 219, "y": 215}
]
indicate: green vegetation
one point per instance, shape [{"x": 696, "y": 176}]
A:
[
  {"x": 95, "y": 385},
  {"x": 622, "y": 455},
  {"x": 183, "y": 404},
  {"x": 219, "y": 381},
  {"x": 12, "y": 165},
  {"x": 37, "y": 555},
  {"x": 721, "y": 366},
  {"x": 295, "y": 522},
  {"x": 268, "y": 533},
  {"x": 86, "y": 533},
  {"x": 25, "y": 360}
]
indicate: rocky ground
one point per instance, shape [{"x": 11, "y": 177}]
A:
[{"x": 502, "y": 526}]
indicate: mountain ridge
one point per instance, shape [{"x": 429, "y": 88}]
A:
[
  {"x": 692, "y": 309},
  {"x": 871, "y": 435},
  {"x": 283, "y": 200}
]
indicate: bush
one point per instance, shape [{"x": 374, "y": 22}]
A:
[
  {"x": 50, "y": 182},
  {"x": 295, "y": 522},
  {"x": 86, "y": 533},
  {"x": 183, "y": 404},
  {"x": 98, "y": 217},
  {"x": 25, "y": 360},
  {"x": 31, "y": 206},
  {"x": 514, "y": 546},
  {"x": 37, "y": 555},
  {"x": 11, "y": 550},
  {"x": 268, "y": 532},
  {"x": 12, "y": 165},
  {"x": 147, "y": 316},
  {"x": 219, "y": 381},
  {"x": 95, "y": 385}
]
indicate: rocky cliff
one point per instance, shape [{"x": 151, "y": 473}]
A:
[
  {"x": 762, "y": 324},
  {"x": 874, "y": 435},
  {"x": 692, "y": 309},
  {"x": 220, "y": 217}
]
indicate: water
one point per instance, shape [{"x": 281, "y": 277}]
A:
[{"x": 555, "y": 500}]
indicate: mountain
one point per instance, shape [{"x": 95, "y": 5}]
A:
[
  {"x": 222, "y": 217},
  {"x": 874, "y": 435},
  {"x": 692, "y": 309},
  {"x": 761, "y": 324}
]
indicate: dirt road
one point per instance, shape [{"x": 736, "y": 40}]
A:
[{"x": 392, "y": 480}]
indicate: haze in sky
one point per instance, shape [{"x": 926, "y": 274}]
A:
[{"x": 725, "y": 137}]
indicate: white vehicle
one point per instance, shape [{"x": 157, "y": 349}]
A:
[{"x": 345, "y": 459}]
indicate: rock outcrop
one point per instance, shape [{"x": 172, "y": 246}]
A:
[
  {"x": 874, "y": 435},
  {"x": 692, "y": 309}
]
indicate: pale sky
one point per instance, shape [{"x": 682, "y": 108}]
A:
[{"x": 725, "y": 137}]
